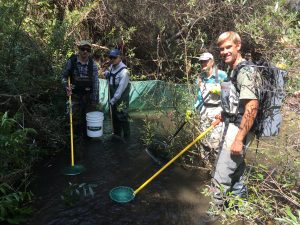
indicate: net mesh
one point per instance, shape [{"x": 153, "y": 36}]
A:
[
  {"x": 73, "y": 170},
  {"x": 150, "y": 95},
  {"x": 122, "y": 194}
]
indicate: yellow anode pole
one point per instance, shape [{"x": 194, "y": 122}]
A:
[
  {"x": 71, "y": 125},
  {"x": 172, "y": 160}
]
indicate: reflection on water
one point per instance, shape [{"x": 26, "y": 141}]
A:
[{"x": 172, "y": 198}]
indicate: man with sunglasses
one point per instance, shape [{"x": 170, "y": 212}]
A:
[
  {"x": 83, "y": 73},
  {"x": 117, "y": 75}
]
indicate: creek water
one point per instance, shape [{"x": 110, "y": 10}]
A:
[{"x": 174, "y": 197}]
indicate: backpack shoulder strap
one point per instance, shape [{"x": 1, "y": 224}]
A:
[
  {"x": 114, "y": 74},
  {"x": 73, "y": 60},
  {"x": 90, "y": 67},
  {"x": 239, "y": 67},
  {"x": 73, "y": 57}
]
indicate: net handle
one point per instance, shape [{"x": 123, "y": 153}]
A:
[{"x": 173, "y": 159}]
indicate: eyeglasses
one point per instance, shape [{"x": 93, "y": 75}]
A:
[
  {"x": 112, "y": 57},
  {"x": 88, "y": 49}
]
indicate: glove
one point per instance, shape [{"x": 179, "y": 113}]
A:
[
  {"x": 112, "y": 102},
  {"x": 188, "y": 115},
  {"x": 69, "y": 91},
  {"x": 216, "y": 91}
]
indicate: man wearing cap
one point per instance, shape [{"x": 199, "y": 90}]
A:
[
  {"x": 83, "y": 74},
  {"x": 117, "y": 75},
  {"x": 208, "y": 98}
]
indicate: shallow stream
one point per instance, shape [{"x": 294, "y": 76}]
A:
[{"x": 174, "y": 197}]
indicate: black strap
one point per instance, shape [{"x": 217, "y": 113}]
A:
[
  {"x": 90, "y": 67},
  {"x": 210, "y": 104},
  {"x": 239, "y": 67},
  {"x": 115, "y": 74},
  {"x": 73, "y": 60}
]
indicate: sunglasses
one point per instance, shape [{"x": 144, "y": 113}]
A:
[
  {"x": 88, "y": 49},
  {"x": 112, "y": 57},
  {"x": 203, "y": 61}
]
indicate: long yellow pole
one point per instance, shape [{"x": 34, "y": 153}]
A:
[
  {"x": 71, "y": 124},
  {"x": 172, "y": 160}
]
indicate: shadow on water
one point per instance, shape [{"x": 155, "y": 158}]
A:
[{"x": 172, "y": 198}]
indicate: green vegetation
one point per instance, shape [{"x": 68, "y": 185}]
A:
[
  {"x": 74, "y": 192},
  {"x": 14, "y": 207},
  {"x": 17, "y": 154},
  {"x": 159, "y": 40}
]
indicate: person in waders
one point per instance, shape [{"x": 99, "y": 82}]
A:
[
  {"x": 118, "y": 78},
  {"x": 208, "y": 103},
  {"x": 83, "y": 74},
  {"x": 239, "y": 100}
]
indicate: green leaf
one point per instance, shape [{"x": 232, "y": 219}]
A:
[
  {"x": 91, "y": 191},
  {"x": 290, "y": 214},
  {"x": 260, "y": 176},
  {"x": 3, "y": 212},
  {"x": 81, "y": 185}
]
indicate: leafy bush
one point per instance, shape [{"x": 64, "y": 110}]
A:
[
  {"x": 14, "y": 207},
  {"x": 159, "y": 39},
  {"x": 17, "y": 154},
  {"x": 17, "y": 149}
]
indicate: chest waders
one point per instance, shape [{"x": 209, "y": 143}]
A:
[
  {"x": 82, "y": 88},
  {"x": 81, "y": 85},
  {"x": 230, "y": 103},
  {"x": 120, "y": 108}
]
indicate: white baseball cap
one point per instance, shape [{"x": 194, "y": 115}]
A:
[{"x": 205, "y": 56}]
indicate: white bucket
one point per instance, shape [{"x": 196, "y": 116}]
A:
[{"x": 94, "y": 124}]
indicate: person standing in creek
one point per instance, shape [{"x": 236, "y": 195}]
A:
[
  {"x": 208, "y": 103},
  {"x": 83, "y": 74},
  {"x": 118, "y": 78}
]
